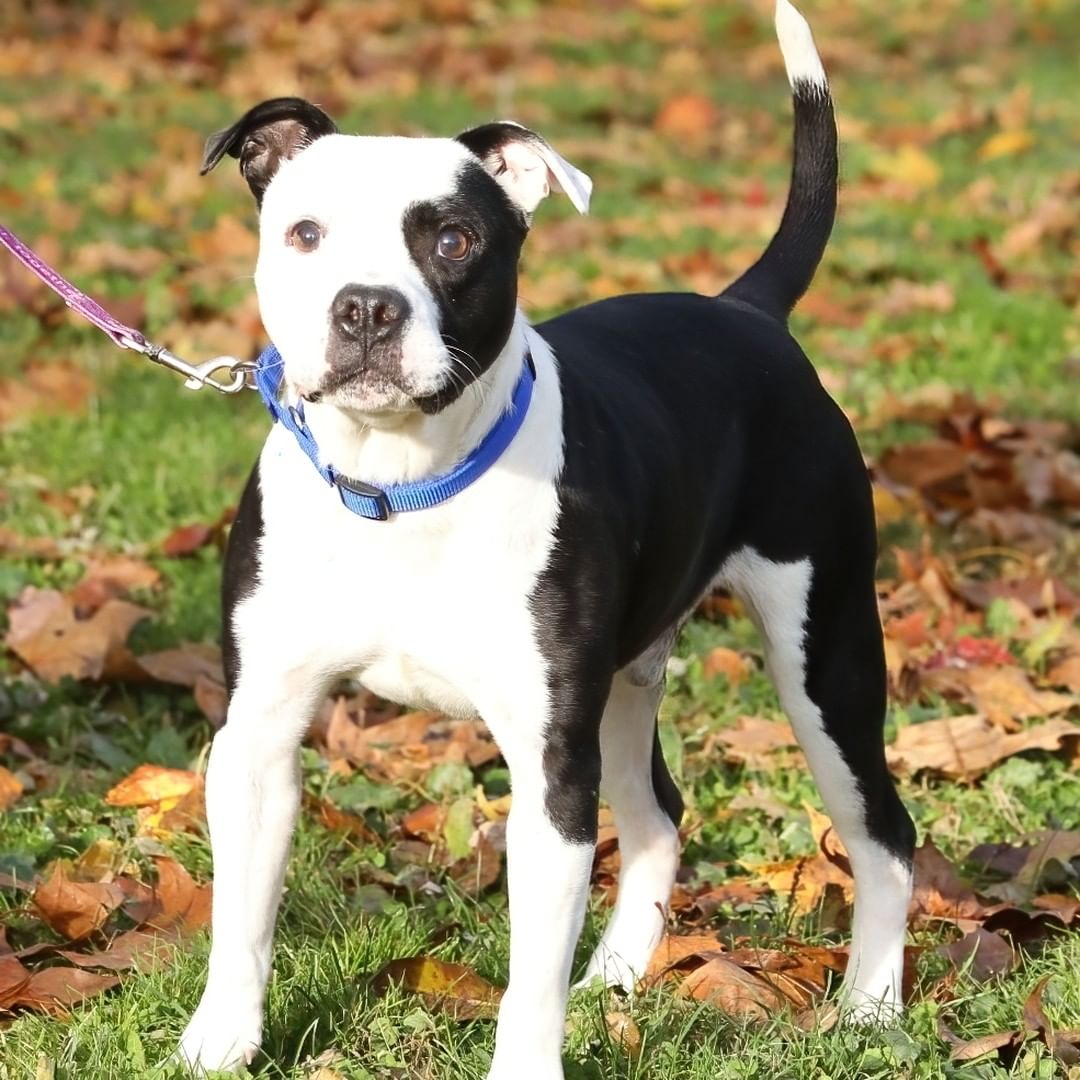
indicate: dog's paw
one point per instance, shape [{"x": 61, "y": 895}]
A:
[
  {"x": 857, "y": 1008},
  {"x": 608, "y": 968},
  {"x": 217, "y": 1040}
]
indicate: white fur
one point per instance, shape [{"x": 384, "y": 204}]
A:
[
  {"x": 797, "y": 46},
  {"x": 777, "y": 594},
  {"x": 648, "y": 841}
]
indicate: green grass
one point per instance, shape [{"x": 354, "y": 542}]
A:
[{"x": 89, "y": 160}]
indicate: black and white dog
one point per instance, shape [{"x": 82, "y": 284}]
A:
[{"x": 671, "y": 443}]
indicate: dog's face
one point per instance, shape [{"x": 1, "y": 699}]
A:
[{"x": 387, "y": 271}]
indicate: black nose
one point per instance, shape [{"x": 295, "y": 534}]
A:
[{"x": 369, "y": 313}]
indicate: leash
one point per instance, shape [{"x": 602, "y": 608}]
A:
[
  {"x": 196, "y": 376},
  {"x": 265, "y": 376}
]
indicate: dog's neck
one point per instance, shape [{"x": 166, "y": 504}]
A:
[{"x": 414, "y": 446}]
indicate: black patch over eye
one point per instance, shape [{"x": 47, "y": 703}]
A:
[
  {"x": 305, "y": 236},
  {"x": 454, "y": 244}
]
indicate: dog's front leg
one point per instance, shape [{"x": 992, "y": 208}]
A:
[
  {"x": 252, "y": 797},
  {"x": 550, "y": 840}
]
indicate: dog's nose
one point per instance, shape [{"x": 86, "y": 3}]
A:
[{"x": 368, "y": 313}]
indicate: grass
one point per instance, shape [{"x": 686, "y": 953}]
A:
[{"x": 101, "y": 147}]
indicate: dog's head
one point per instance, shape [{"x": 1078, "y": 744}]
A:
[{"x": 387, "y": 271}]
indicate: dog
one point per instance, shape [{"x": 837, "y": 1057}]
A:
[{"x": 651, "y": 448}]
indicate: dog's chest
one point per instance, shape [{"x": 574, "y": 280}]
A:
[{"x": 431, "y": 609}]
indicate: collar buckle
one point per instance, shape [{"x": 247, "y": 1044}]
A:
[{"x": 367, "y": 491}]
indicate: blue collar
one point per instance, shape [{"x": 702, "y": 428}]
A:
[{"x": 379, "y": 503}]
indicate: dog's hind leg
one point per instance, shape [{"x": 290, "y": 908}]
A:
[
  {"x": 824, "y": 652},
  {"x": 647, "y": 808}
]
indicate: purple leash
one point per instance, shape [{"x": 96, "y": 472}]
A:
[{"x": 196, "y": 375}]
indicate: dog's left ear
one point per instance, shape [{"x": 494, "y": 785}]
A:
[
  {"x": 265, "y": 136},
  {"x": 525, "y": 166}
]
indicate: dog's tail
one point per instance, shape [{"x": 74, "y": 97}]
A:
[{"x": 784, "y": 272}]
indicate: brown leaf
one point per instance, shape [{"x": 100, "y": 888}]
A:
[
  {"x": 213, "y": 699},
  {"x": 1050, "y": 846},
  {"x": 681, "y": 952},
  {"x": 53, "y": 989},
  {"x": 733, "y": 990},
  {"x": 988, "y": 954},
  {"x": 1064, "y": 1048},
  {"x": 74, "y": 909},
  {"x": 752, "y": 739},
  {"x": 450, "y": 988},
  {"x": 727, "y": 662},
  {"x": 186, "y": 540},
  {"x": 178, "y": 902},
  {"x": 965, "y": 747},
  {"x": 330, "y": 817},
  {"x": 184, "y": 665},
  {"x": 624, "y": 1032},
  {"x": 13, "y": 979},
  {"x": 939, "y": 893},
  {"x": 135, "y": 949},
  {"x": 108, "y": 578},
  {"x": 46, "y": 635},
  {"x": 1066, "y": 672},
  {"x": 1004, "y": 695},
  {"x": 1006, "y": 1043},
  {"x": 426, "y": 822},
  {"x": 11, "y": 789}
]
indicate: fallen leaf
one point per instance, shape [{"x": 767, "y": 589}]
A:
[
  {"x": 74, "y": 909},
  {"x": 108, "y": 578},
  {"x": 11, "y": 789},
  {"x": 1006, "y": 144},
  {"x": 1005, "y": 695},
  {"x": 449, "y": 988},
  {"x": 965, "y": 747},
  {"x": 178, "y": 903},
  {"x": 624, "y": 1032},
  {"x": 985, "y": 955},
  {"x": 680, "y": 951},
  {"x": 47, "y": 636},
  {"x": 149, "y": 785},
  {"x": 752, "y": 739},
  {"x": 1065, "y": 1048},
  {"x": 137, "y": 950},
  {"x": 183, "y": 666},
  {"x": 727, "y": 662},
  {"x": 733, "y": 990},
  {"x": 54, "y": 989},
  {"x": 186, "y": 540}
]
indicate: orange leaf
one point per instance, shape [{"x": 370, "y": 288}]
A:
[
  {"x": 151, "y": 784},
  {"x": 11, "y": 788}
]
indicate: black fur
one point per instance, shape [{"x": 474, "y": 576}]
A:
[
  {"x": 265, "y": 136},
  {"x": 477, "y": 297},
  {"x": 240, "y": 571}
]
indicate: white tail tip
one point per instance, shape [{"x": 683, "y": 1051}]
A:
[{"x": 797, "y": 46}]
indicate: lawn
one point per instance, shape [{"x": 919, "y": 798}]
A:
[{"x": 944, "y": 320}]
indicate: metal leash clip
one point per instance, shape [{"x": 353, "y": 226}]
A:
[{"x": 196, "y": 376}]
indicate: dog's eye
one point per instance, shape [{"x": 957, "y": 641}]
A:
[
  {"x": 454, "y": 244},
  {"x": 304, "y": 236}
]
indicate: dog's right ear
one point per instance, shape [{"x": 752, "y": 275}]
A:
[{"x": 265, "y": 136}]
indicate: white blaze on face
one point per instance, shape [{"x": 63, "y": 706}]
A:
[{"x": 357, "y": 190}]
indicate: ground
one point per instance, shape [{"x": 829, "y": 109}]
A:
[{"x": 947, "y": 301}]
